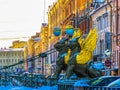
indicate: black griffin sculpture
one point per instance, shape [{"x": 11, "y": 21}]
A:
[
  {"x": 81, "y": 70},
  {"x": 61, "y": 47}
]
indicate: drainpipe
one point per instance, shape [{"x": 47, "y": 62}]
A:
[
  {"x": 110, "y": 26},
  {"x": 110, "y": 21},
  {"x": 117, "y": 23},
  {"x": 87, "y": 18},
  {"x": 76, "y": 13}
]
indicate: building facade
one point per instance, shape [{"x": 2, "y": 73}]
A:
[
  {"x": 25, "y": 58},
  {"x": 82, "y": 17},
  {"x": 30, "y": 47},
  {"x": 82, "y": 14},
  {"x": 44, "y": 44},
  {"x": 116, "y": 33},
  {"x": 101, "y": 21},
  {"x": 32, "y": 50},
  {"x": 61, "y": 14},
  {"x": 12, "y": 56},
  {"x": 106, "y": 19}
]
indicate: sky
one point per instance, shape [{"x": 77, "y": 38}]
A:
[{"x": 21, "y": 18}]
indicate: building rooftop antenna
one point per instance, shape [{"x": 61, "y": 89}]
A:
[{"x": 44, "y": 11}]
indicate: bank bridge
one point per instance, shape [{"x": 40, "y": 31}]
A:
[{"x": 8, "y": 78}]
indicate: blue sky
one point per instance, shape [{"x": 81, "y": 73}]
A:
[{"x": 21, "y": 18}]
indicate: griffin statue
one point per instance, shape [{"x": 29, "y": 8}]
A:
[{"x": 75, "y": 53}]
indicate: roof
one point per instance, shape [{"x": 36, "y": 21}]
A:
[{"x": 10, "y": 49}]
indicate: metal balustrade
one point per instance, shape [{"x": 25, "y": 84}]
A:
[
  {"x": 31, "y": 80},
  {"x": 25, "y": 80},
  {"x": 70, "y": 86}
]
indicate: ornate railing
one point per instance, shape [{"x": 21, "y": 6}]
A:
[
  {"x": 30, "y": 80},
  {"x": 70, "y": 86}
]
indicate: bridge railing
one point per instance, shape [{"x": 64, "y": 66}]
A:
[
  {"x": 6, "y": 76},
  {"x": 96, "y": 88},
  {"x": 24, "y": 80},
  {"x": 70, "y": 86}
]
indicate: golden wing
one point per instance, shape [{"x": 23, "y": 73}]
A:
[
  {"x": 90, "y": 41},
  {"x": 77, "y": 33},
  {"x": 83, "y": 57},
  {"x": 88, "y": 45}
]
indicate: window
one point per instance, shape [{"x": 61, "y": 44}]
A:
[
  {"x": 102, "y": 22},
  {"x": 95, "y": 51},
  {"x": 119, "y": 26},
  {"x": 66, "y": 11},
  {"x": 15, "y": 60},
  {"x": 12, "y": 60},
  {"x": 51, "y": 58},
  {"x": 98, "y": 23},
  {"x": 94, "y": 24},
  {"x": 105, "y": 17},
  {"x": 3, "y": 61},
  {"x": 102, "y": 46}
]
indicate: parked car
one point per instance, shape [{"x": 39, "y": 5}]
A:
[
  {"x": 114, "y": 84},
  {"x": 98, "y": 65},
  {"x": 102, "y": 81},
  {"x": 98, "y": 81},
  {"x": 82, "y": 82}
]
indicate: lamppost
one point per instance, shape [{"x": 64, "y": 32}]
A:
[{"x": 117, "y": 37}]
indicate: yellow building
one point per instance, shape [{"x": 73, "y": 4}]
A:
[
  {"x": 60, "y": 14},
  {"x": 31, "y": 48},
  {"x": 38, "y": 63},
  {"x": 66, "y": 12},
  {"x": 25, "y": 58},
  {"x": 36, "y": 45},
  {"x": 44, "y": 46},
  {"x": 11, "y": 56},
  {"x": 44, "y": 37}
]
